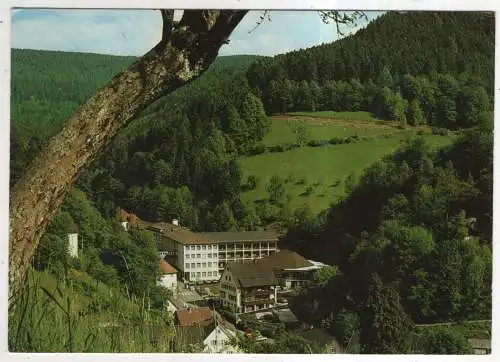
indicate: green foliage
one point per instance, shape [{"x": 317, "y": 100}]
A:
[
  {"x": 275, "y": 187},
  {"x": 322, "y": 276},
  {"x": 81, "y": 315},
  {"x": 385, "y": 327},
  {"x": 444, "y": 340}
]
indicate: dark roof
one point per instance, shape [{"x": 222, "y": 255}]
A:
[
  {"x": 285, "y": 259},
  {"x": 253, "y": 274},
  {"x": 194, "y": 316},
  {"x": 191, "y": 335},
  {"x": 167, "y": 268},
  {"x": 286, "y": 316},
  {"x": 242, "y": 236},
  {"x": 185, "y": 236}
]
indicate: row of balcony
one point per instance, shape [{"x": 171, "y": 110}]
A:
[{"x": 249, "y": 247}]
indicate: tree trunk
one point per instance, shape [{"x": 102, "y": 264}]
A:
[{"x": 186, "y": 50}]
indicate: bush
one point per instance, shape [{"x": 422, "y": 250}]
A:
[
  {"x": 277, "y": 148},
  {"x": 252, "y": 182},
  {"x": 258, "y": 149},
  {"x": 444, "y": 340},
  {"x": 317, "y": 143},
  {"x": 335, "y": 141},
  {"x": 438, "y": 131}
]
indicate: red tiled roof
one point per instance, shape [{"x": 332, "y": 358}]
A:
[
  {"x": 196, "y": 316},
  {"x": 167, "y": 268}
]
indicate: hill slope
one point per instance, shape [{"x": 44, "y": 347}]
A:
[{"x": 416, "y": 43}]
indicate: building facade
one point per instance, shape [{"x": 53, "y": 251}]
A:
[
  {"x": 195, "y": 256},
  {"x": 291, "y": 269},
  {"x": 246, "y": 288},
  {"x": 168, "y": 278},
  {"x": 73, "y": 245},
  {"x": 244, "y": 246}
]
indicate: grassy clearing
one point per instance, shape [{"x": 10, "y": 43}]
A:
[
  {"x": 281, "y": 131},
  {"x": 347, "y": 116},
  {"x": 321, "y": 169}
]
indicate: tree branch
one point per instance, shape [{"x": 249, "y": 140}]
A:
[{"x": 38, "y": 194}]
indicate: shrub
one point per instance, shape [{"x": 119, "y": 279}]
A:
[
  {"x": 335, "y": 141},
  {"x": 439, "y": 131}
]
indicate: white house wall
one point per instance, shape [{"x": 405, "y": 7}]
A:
[
  {"x": 168, "y": 281},
  {"x": 201, "y": 261}
]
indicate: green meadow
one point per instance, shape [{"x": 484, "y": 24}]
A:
[{"x": 316, "y": 175}]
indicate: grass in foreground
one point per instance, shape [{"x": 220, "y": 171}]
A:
[{"x": 51, "y": 316}]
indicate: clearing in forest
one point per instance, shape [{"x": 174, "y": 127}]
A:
[{"x": 326, "y": 125}]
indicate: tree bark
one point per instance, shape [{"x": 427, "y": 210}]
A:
[{"x": 185, "y": 51}]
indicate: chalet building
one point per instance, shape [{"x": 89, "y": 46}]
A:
[
  {"x": 195, "y": 256},
  {"x": 248, "y": 287},
  {"x": 291, "y": 269},
  {"x": 244, "y": 246}
]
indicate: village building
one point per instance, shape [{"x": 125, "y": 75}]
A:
[
  {"x": 248, "y": 287},
  {"x": 206, "y": 329},
  {"x": 195, "y": 256},
  {"x": 243, "y": 246},
  {"x": 202, "y": 257},
  {"x": 480, "y": 346},
  {"x": 292, "y": 270},
  {"x": 168, "y": 278}
]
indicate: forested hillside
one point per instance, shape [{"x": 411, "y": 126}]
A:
[{"x": 425, "y": 67}]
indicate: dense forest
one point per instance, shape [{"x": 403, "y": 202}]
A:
[
  {"x": 414, "y": 68},
  {"x": 420, "y": 250},
  {"x": 411, "y": 240}
]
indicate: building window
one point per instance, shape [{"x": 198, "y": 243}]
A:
[
  {"x": 193, "y": 265},
  {"x": 204, "y": 265},
  {"x": 193, "y": 256},
  {"x": 215, "y": 273},
  {"x": 204, "y": 274},
  {"x": 198, "y": 265},
  {"x": 198, "y": 256},
  {"x": 192, "y": 247},
  {"x": 209, "y": 273},
  {"x": 215, "y": 247},
  {"x": 204, "y": 247},
  {"x": 209, "y": 247},
  {"x": 198, "y": 247},
  {"x": 186, "y": 247},
  {"x": 187, "y": 265},
  {"x": 209, "y": 264},
  {"x": 209, "y": 256},
  {"x": 198, "y": 274},
  {"x": 187, "y": 256}
]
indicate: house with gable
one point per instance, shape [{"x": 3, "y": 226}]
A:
[{"x": 248, "y": 287}]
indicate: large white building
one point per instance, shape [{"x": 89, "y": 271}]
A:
[
  {"x": 243, "y": 246},
  {"x": 195, "y": 256},
  {"x": 202, "y": 257}
]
